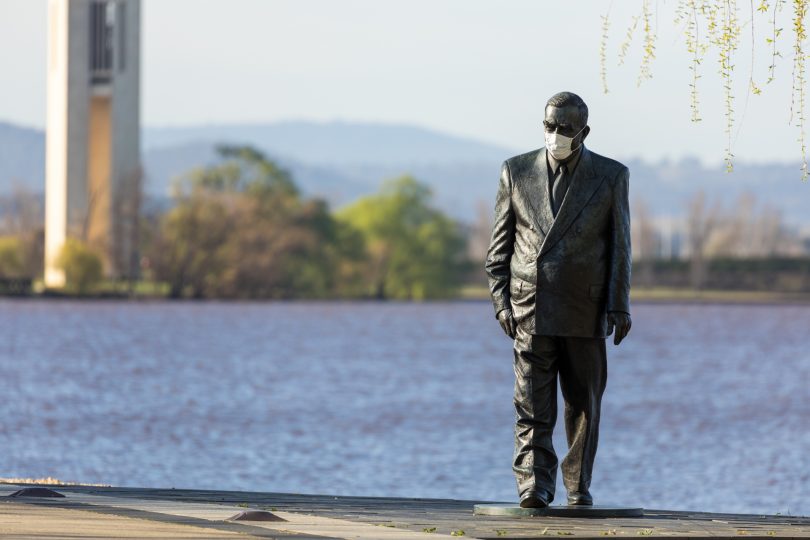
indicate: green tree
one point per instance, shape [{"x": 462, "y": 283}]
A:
[
  {"x": 415, "y": 251},
  {"x": 240, "y": 228},
  {"x": 82, "y": 266},
  {"x": 22, "y": 222},
  {"x": 11, "y": 257},
  {"x": 187, "y": 249}
]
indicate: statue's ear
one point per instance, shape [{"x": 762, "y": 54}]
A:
[{"x": 585, "y": 132}]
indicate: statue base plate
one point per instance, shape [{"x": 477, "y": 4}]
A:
[{"x": 558, "y": 511}]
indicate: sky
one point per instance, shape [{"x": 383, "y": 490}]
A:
[{"x": 473, "y": 68}]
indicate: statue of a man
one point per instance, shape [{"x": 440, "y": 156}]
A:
[{"x": 559, "y": 275}]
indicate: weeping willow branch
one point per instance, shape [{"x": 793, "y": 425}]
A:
[
  {"x": 649, "y": 44},
  {"x": 689, "y": 12},
  {"x": 628, "y": 39},
  {"x": 710, "y": 24},
  {"x": 775, "y": 32},
  {"x": 799, "y": 62},
  {"x": 752, "y": 85},
  {"x": 603, "y": 51},
  {"x": 727, "y": 42},
  {"x": 710, "y": 11},
  {"x": 753, "y": 88}
]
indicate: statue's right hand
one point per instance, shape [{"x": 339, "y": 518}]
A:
[{"x": 507, "y": 322}]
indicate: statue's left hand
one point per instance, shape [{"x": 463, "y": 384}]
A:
[{"x": 622, "y": 322}]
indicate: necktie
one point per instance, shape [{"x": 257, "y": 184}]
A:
[{"x": 558, "y": 189}]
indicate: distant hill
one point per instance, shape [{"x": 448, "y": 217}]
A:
[
  {"x": 164, "y": 164},
  {"x": 342, "y": 161},
  {"x": 337, "y": 161},
  {"x": 22, "y": 157},
  {"x": 336, "y": 143}
]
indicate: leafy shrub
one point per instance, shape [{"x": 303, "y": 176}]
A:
[
  {"x": 11, "y": 257},
  {"x": 82, "y": 266}
]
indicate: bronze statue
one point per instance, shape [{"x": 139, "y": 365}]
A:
[{"x": 559, "y": 275}]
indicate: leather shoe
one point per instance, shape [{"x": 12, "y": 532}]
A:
[
  {"x": 580, "y": 499},
  {"x": 532, "y": 499}
]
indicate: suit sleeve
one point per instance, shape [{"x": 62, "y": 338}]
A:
[
  {"x": 621, "y": 254},
  {"x": 501, "y": 243}
]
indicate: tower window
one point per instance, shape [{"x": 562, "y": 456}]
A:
[
  {"x": 121, "y": 25},
  {"x": 102, "y": 23}
]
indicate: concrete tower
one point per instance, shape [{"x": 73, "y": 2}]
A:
[{"x": 93, "y": 172}]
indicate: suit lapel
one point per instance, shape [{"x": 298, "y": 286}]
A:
[
  {"x": 580, "y": 190},
  {"x": 535, "y": 193},
  {"x": 544, "y": 212}
]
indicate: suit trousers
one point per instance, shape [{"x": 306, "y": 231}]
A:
[{"x": 582, "y": 367}]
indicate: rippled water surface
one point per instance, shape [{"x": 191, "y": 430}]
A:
[{"x": 707, "y": 407}]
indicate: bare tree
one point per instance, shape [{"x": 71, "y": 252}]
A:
[
  {"x": 22, "y": 215},
  {"x": 126, "y": 227},
  {"x": 701, "y": 222},
  {"x": 749, "y": 229},
  {"x": 734, "y": 228},
  {"x": 480, "y": 232},
  {"x": 774, "y": 238},
  {"x": 645, "y": 242}
]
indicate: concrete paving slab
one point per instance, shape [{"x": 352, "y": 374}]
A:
[
  {"x": 293, "y": 522},
  {"x": 598, "y": 511},
  {"x": 33, "y": 521},
  {"x": 388, "y": 518}
]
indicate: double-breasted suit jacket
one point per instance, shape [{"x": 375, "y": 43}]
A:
[{"x": 560, "y": 276}]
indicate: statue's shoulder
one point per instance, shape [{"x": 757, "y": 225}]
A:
[
  {"x": 605, "y": 165},
  {"x": 523, "y": 162}
]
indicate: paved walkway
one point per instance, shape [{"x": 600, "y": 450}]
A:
[
  {"x": 21, "y": 520},
  {"x": 93, "y": 512}
]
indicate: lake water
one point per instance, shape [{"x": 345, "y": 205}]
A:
[{"x": 707, "y": 407}]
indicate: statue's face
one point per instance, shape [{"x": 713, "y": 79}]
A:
[{"x": 566, "y": 121}]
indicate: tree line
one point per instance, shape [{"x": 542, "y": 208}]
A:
[
  {"x": 727, "y": 244},
  {"x": 241, "y": 228}
]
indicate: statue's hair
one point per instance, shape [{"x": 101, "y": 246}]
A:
[{"x": 566, "y": 99}]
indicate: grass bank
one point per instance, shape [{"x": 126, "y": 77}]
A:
[{"x": 674, "y": 294}]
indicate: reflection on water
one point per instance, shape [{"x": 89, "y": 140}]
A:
[{"x": 707, "y": 407}]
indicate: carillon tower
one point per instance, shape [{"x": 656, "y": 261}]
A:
[{"x": 93, "y": 173}]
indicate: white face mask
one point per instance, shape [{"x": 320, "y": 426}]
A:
[{"x": 560, "y": 145}]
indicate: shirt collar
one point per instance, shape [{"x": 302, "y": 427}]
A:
[{"x": 570, "y": 163}]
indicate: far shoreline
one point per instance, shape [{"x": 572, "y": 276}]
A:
[{"x": 638, "y": 295}]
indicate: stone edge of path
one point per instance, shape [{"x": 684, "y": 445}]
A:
[{"x": 210, "y": 515}]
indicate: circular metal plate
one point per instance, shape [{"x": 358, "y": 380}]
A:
[
  {"x": 255, "y": 515},
  {"x": 600, "y": 511},
  {"x": 36, "y": 492}
]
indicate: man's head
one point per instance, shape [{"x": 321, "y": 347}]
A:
[{"x": 567, "y": 115}]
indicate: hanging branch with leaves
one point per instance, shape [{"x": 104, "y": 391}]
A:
[
  {"x": 777, "y": 7},
  {"x": 727, "y": 45},
  {"x": 720, "y": 19},
  {"x": 687, "y": 12},
  {"x": 603, "y": 51},
  {"x": 649, "y": 44},
  {"x": 799, "y": 82},
  {"x": 628, "y": 39},
  {"x": 752, "y": 85}
]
